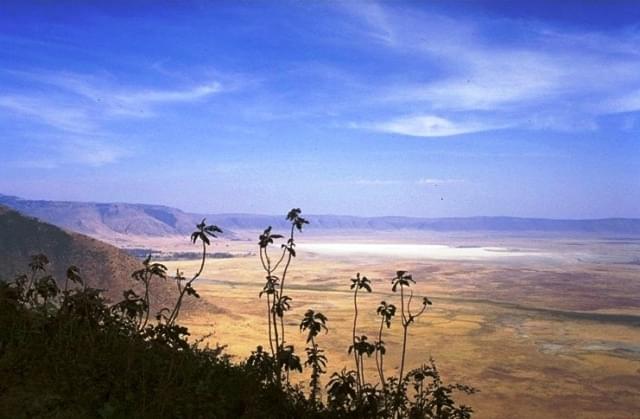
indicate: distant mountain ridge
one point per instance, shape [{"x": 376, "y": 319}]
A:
[
  {"x": 98, "y": 219},
  {"x": 109, "y": 219},
  {"x": 453, "y": 224}
]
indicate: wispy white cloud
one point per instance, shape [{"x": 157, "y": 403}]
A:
[
  {"x": 172, "y": 96},
  {"x": 112, "y": 98},
  {"x": 625, "y": 102},
  {"x": 38, "y": 163},
  {"x": 92, "y": 152},
  {"x": 430, "y": 126},
  {"x": 559, "y": 120},
  {"x": 53, "y": 152},
  {"x": 438, "y": 181},
  {"x": 376, "y": 182},
  {"x": 419, "y": 182},
  {"x": 625, "y": 42},
  {"x": 58, "y": 115},
  {"x": 488, "y": 81},
  {"x": 81, "y": 108},
  {"x": 543, "y": 70},
  {"x": 378, "y": 27}
]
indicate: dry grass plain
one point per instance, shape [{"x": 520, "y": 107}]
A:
[{"x": 545, "y": 327}]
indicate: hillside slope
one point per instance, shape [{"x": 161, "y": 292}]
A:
[
  {"x": 97, "y": 219},
  {"x": 101, "y": 265}
]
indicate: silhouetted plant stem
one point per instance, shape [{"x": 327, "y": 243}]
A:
[
  {"x": 275, "y": 332},
  {"x": 359, "y": 346},
  {"x": 277, "y": 302},
  {"x": 146, "y": 300},
  {"x": 405, "y": 327},
  {"x": 355, "y": 352},
  {"x": 266, "y": 265},
  {"x": 183, "y": 289},
  {"x": 362, "y": 380},
  {"x": 314, "y": 322},
  {"x": 314, "y": 374},
  {"x": 274, "y": 340},
  {"x": 144, "y": 276},
  {"x": 282, "y": 328},
  {"x": 403, "y": 279},
  {"x": 284, "y": 274},
  {"x": 380, "y": 357},
  {"x": 290, "y": 255},
  {"x": 273, "y": 352},
  {"x": 202, "y": 233}
]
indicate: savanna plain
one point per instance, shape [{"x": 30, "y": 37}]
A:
[{"x": 545, "y": 326}]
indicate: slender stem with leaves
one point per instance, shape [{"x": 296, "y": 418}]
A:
[
  {"x": 403, "y": 280},
  {"x": 145, "y": 275},
  {"x": 277, "y": 302},
  {"x": 359, "y": 345},
  {"x": 313, "y": 323},
  {"x": 386, "y": 313},
  {"x": 202, "y": 233}
]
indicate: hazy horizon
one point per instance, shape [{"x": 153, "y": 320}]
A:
[
  {"x": 446, "y": 109},
  {"x": 209, "y": 212}
]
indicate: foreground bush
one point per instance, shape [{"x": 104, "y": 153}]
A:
[
  {"x": 66, "y": 353},
  {"x": 77, "y": 357}
]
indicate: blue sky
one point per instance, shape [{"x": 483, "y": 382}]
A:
[{"x": 365, "y": 108}]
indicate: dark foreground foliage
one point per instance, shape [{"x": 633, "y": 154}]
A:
[
  {"x": 79, "y": 358},
  {"x": 66, "y": 353}
]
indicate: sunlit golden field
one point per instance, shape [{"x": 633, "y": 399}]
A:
[{"x": 544, "y": 327}]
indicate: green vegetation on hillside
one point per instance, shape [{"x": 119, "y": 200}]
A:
[{"x": 65, "y": 353}]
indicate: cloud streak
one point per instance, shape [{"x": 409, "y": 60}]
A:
[
  {"x": 419, "y": 182},
  {"x": 438, "y": 181},
  {"x": 629, "y": 102},
  {"x": 543, "y": 71},
  {"x": 81, "y": 109},
  {"x": 64, "y": 117},
  {"x": 431, "y": 126},
  {"x": 109, "y": 97}
]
